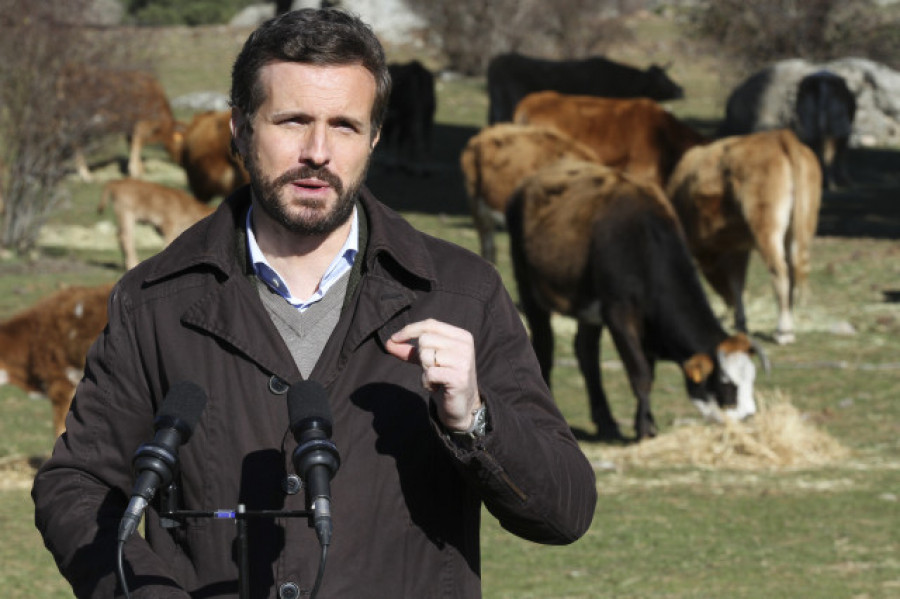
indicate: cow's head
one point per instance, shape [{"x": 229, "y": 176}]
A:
[
  {"x": 724, "y": 383},
  {"x": 659, "y": 86}
]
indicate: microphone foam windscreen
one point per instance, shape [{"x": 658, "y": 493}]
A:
[
  {"x": 184, "y": 402},
  {"x": 307, "y": 399}
]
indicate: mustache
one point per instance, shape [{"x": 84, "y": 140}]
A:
[{"x": 307, "y": 172}]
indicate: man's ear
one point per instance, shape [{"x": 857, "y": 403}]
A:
[
  {"x": 239, "y": 131},
  {"x": 375, "y": 139}
]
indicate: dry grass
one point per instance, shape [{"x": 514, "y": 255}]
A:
[{"x": 777, "y": 437}]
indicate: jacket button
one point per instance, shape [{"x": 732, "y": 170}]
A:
[
  {"x": 278, "y": 386},
  {"x": 288, "y": 590},
  {"x": 291, "y": 484}
]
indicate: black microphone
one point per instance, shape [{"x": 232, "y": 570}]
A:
[
  {"x": 316, "y": 458},
  {"x": 156, "y": 462}
]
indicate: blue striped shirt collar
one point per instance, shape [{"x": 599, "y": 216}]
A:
[{"x": 341, "y": 264}]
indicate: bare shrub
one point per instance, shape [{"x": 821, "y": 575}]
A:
[
  {"x": 40, "y": 124},
  {"x": 758, "y": 32},
  {"x": 471, "y": 32}
]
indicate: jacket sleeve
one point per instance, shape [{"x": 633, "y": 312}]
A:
[
  {"x": 528, "y": 469},
  {"x": 81, "y": 492}
]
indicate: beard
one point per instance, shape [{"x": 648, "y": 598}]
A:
[{"x": 311, "y": 220}]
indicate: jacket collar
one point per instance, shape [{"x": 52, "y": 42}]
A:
[{"x": 217, "y": 242}]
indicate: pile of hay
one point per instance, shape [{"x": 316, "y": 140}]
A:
[{"x": 778, "y": 436}]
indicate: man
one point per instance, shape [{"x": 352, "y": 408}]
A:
[{"x": 437, "y": 401}]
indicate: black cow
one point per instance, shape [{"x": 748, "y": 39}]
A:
[
  {"x": 825, "y": 109},
  {"x": 591, "y": 243},
  {"x": 511, "y": 77},
  {"x": 408, "y": 124}
]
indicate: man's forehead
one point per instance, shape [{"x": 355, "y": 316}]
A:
[{"x": 324, "y": 75}]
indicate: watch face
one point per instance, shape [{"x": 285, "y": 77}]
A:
[{"x": 480, "y": 425}]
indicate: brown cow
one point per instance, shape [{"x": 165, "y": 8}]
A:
[
  {"x": 592, "y": 243},
  {"x": 635, "y": 135},
  {"x": 496, "y": 160},
  {"x": 43, "y": 348},
  {"x": 119, "y": 101},
  {"x": 211, "y": 167},
  {"x": 170, "y": 211},
  {"x": 761, "y": 190}
]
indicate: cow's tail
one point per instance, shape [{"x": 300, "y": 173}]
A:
[
  {"x": 806, "y": 177},
  {"x": 104, "y": 198}
]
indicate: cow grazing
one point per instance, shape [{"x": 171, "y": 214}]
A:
[
  {"x": 592, "y": 243},
  {"x": 211, "y": 167},
  {"x": 170, "y": 211},
  {"x": 409, "y": 122},
  {"x": 511, "y": 77},
  {"x": 120, "y": 101},
  {"x": 636, "y": 135},
  {"x": 496, "y": 160},
  {"x": 43, "y": 348},
  {"x": 825, "y": 109},
  {"x": 761, "y": 190}
]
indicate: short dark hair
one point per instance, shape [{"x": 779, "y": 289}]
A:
[{"x": 326, "y": 37}]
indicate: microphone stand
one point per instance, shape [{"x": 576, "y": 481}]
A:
[{"x": 240, "y": 515}]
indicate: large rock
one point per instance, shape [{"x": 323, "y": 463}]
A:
[
  {"x": 765, "y": 100},
  {"x": 391, "y": 20}
]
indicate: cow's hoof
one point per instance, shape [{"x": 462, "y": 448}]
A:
[
  {"x": 783, "y": 338},
  {"x": 609, "y": 433}
]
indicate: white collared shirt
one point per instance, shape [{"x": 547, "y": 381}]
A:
[{"x": 342, "y": 263}]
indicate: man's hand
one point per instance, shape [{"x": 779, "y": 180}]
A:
[{"x": 447, "y": 356}]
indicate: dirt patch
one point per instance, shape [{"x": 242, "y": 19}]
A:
[{"x": 17, "y": 472}]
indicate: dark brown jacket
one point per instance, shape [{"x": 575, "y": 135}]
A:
[{"x": 406, "y": 499}]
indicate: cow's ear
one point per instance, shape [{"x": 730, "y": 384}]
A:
[{"x": 698, "y": 367}]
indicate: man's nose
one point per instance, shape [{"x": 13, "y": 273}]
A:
[{"x": 316, "y": 150}]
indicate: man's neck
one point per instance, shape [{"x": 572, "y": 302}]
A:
[{"x": 300, "y": 259}]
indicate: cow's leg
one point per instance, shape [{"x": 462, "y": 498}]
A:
[
  {"x": 541, "y": 334},
  {"x": 135, "y": 165},
  {"x": 772, "y": 248},
  {"x": 727, "y": 275},
  {"x": 81, "y": 166},
  {"x": 839, "y": 169},
  {"x": 485, "y": 223},
  {"x": 737, "y": 264},
  {"x": 60, "y": 393},
  {"x": 126, "y": 239},
  {"x": 639, "y": 369},
  {"x": 587, "y": 350}
]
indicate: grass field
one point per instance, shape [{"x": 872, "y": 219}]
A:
[{"x": 669, "y": 530}]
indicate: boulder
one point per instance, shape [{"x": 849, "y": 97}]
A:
[{"x": 766, "y": 99}]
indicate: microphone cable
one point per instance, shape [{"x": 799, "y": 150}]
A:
[
  {"x": 120, "y": 550},
  {"x": 322, "y": 557}
]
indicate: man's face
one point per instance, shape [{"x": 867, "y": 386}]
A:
[{"x": 310, "y": 143}]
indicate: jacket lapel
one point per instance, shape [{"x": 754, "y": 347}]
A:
[{"x": 234, "y": 314}]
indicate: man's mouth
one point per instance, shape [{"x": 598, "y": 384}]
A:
[{"x": 311, "y": 184}]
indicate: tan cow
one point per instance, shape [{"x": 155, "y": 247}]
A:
[
  {"x": 758, "y": 191},
  {"x": 211, "y": 167},
  {"x": 43, "y": 348},
  {"x": 635, "y": 135},
  {"x": 170, "y": 211},
  {"x": 120, "y": 101},
  {"x": 496, "y": 160}
]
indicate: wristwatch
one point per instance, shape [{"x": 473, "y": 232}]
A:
[{"x": 478, "y": 428}]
